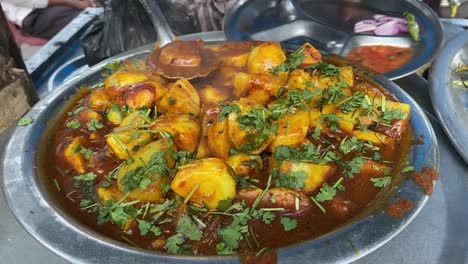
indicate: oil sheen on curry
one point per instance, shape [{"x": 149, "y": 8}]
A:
[{"x": 272, "y": 144}]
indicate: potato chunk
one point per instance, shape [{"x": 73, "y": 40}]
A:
[
  {"x": 311, "y": 55},
  {"x": 99, "y": 99},
  {"x": 182, "y": 98},
  {"x": 256, "y": 87},
  {"x": 244, "y": 164},
  {"x": 249, "y": 130},
  {"x": 218, "y": 139},
  {"x": 210, "y": 180},
  {"x": 209, "y": 94},
  {"x": 144, "y": 185},
  {"x": 73, "y": 156},
  {"x": 317, "y": 174},
  {"x": 297, "y": 79},
  {"x": 385, "y": 143},
  {"x": 184, "y": 128},
  {"x": 292, "y": 129},
  {"x": 125, "y": 143},
  {"x": 264, "y": 57},
  {"x": 124, "y": 78}
]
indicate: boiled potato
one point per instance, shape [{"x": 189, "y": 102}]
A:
[
  {"x": 208, "y": 180},
  {"x": 264, "y": 57},
  {"x": 292, "y": 129},
  {"x": 317, "y": 174},
  {"x": 124, "y": 78},
  {"x": 135, "y": 119},
  {"x": 210, "y": 94},
  {"x": 298, "y": 79},
  {"x": 139, "y": 95},
  {"x": 252, "y": 137},
  {"x": 311, "y": 55},
  {"x": 73, "y": 156},
  {"x": 124, "y": 144},
  {"x": 142, "y": 158},
  {"x": 256, "y": 87},
  {"x": 185, "y": 130},
  {"x": 218, "y": 139},
  {"x": 87, "y": 115},
  {"x": 244, "y": 165},
  {"x": 114, "y": 115},
  {"x": 99, "y": 99},
  {"x": 347, "y": 75},
  {"x": 182, "y": 98},
  {"x": 385, "y": 143}
]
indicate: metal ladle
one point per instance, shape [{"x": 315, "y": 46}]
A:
[{"x": 176, "y": 59}]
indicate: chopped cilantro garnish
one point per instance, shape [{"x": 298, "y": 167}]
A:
[
  {"x": 87, "y": 153},
  {"x": 86, "y": 177},
  {"x": 173, "y": 243},
  {"x": 291, "y": 180},
  {"x": 143, "y": 175},
  {"x": 348, "y": 145},
  {"x": 73, "y": 124},
  {"x": 25, "y": 121},
  {"x": 227, "y": 109},
  {"x": 188, "y": 228},
  {"x": 326, "y": 193},
  {"x": 381, "y": 182},
  {"x": 146, "y": 227},
  {"x": 172, "y": 101},
  {"x": 388, "y": 116},
  {"x": 294, "y": 60},
  {"x": 353, "y": 166},
  {"x": 94, "y": 125},
  {"x": 288, "y": 223},
  {"x": 113, "y": 65},
  {"x": 408, "y": 167},
  {"x": 326, "y": 69}
]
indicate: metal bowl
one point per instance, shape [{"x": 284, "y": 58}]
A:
[
  {"x": 325, "y": 24},
  {"x": 54, "y": 227}
]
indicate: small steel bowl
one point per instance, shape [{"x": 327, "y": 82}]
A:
[{"x": 47, "y": 221}]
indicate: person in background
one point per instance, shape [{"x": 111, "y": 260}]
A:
[{"x": 43, "y": 18}]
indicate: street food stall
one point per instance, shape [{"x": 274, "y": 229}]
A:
[{"x": 305, "y": 131}]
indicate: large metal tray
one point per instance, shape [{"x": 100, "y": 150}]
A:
[
  {"x": 451, "y": 101},
  {"x": 328, "y": 26},
  {"x": 437, "y": 235}
]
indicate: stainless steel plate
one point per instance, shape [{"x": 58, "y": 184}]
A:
[
  {"x": 328, "y": 25},
  {"x": 68, "y": 238},
  {"x": 451, "y": 101}
]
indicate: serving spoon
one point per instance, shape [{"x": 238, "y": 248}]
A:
[{"x": 176, "y": 59}]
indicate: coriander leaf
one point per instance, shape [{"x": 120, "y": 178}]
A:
[
  {"x": 73, "y": 124},
  {"x": 288, "y": 223},
  {"x": 79, "y": 109},
  {"x": 408, "y": 167},
  {"x": 94, "y": 125},
  {"x": 349, "y": 145},
  {"x": 326, "y": 69},
  {"x": 326, "y": 193},
  {"x": 87, "y": 153},
  {"x": 353, "y": 166},
  {"x": 231, "y": 236},
  {"x": 172, "y": 101},
  {"x": 173, "y": 243},
  {"x": 381, "y": 182},
  {"x": 377, "y": 156},
  {"x": 307, "y": 95},
  {"x": 268, "y": 217},
  {"x": 222, "y": 249},
  {"x": 317, "y": 132},
  {"x": 113, "y": 65},
  {"x": 146, "y": 227},
  {"x": 25, "y": 121},
  {"x": 85, "y": 202},
  {"x": 188, "y": 228},
  {"x": 227, "y": 109},
  {"x": 331, "y": 120},
  {"x": 225, "y": 204},
  {"x": 291, "y": 180},
  {"x": 352, "y": 103},
  {"x": 388, "y": 116},
  {"x": 293, "y": 61},
  {"x": 86, "y": 177}
]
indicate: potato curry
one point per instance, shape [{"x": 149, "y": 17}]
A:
[{"x": 272, "y": 144}]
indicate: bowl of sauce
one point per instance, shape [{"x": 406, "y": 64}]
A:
[{"x": 381, "y": 58}]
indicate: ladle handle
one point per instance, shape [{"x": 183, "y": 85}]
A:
[{"x": 159, "y": 22}]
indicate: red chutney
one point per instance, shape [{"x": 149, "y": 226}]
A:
[{"x": 381, "y": 58}]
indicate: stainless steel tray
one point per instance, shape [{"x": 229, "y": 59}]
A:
[{"x": 437, "y": 235}]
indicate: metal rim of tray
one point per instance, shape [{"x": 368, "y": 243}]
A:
[{"x": 69, "y": 239}]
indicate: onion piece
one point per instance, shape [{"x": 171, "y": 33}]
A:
[
  {"x": 387, "y": 29},
  {"x": 384, "y": 18},
  {"x": 365, "y": 25}
]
